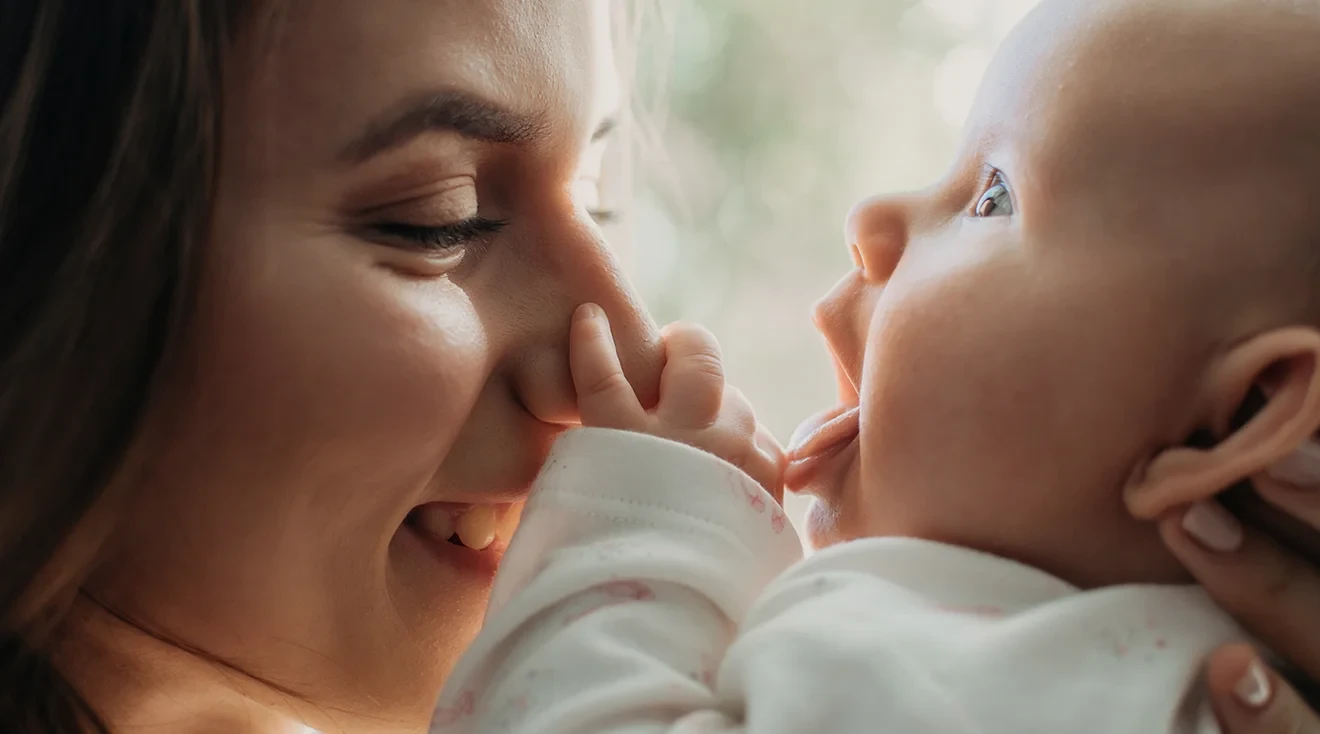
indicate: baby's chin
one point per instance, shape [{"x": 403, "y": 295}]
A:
[
  {"x": 831, "y": 518},
  {"x": 822, "y": 525}
]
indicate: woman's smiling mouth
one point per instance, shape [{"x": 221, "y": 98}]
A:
[{"x": 472, "y": 526}]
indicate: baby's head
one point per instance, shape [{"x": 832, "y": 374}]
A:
[{"x": 1127, "y": 243}]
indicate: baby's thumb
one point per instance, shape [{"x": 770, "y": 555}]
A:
[{"x": 605, "y": 398}]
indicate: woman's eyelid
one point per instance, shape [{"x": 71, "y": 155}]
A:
[
  {"x": 586, "y": 192},
  {"x": 455, "y": 196},
  {"x": 432, "y": 209}
]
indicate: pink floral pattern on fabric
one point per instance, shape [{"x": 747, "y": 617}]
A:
[
  {"x": 619, "y": 592},
  {"x": 755, "y": 498},
  {"x": 630, "y": 590}
]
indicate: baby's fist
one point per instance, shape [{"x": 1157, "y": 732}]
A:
[{"x": 696, "y": 407}]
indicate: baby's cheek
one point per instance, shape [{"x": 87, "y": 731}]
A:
[{"x": 942, "y": 404}]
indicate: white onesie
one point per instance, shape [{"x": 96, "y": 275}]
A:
[{"x": 655, "y": 588}]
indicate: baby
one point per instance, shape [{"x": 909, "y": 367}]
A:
[{"x": 1126, "y": 248}]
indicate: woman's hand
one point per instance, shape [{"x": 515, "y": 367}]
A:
[
  {"x": 1249, "y": 698},
  {"x": 696, "y": 407},
  {"x": 1273, "y": 591}
]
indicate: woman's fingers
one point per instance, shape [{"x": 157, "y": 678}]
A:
[
  {"x": 605, "y": 398},
  {"x": 1249, "y": 698},
  {"x": 692, "y": 384},
  {"x": 1272, "y": 592},
  {"x": 1302, "y": 503}
]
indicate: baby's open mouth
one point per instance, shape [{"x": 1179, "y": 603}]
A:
[
  {"x": 471, "y": 526},
  {"x": 822, "y": 435},
  {"x": 817, "y": 439}
]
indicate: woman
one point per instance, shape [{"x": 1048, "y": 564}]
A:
[{"x": 279, "y": 283}]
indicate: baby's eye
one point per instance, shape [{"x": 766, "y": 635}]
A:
[{"x": 997, "y": 201}]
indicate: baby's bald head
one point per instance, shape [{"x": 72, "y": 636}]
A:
[{"x": 1187, "y": 125}]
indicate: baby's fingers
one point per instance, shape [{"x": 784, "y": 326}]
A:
[
  {"x": 605, "y": 399},
  {"x": 773, "y": 462},
  {"x": 692, "y": 384}
]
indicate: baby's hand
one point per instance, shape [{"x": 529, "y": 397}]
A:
[{"x": 696, "y": 408}]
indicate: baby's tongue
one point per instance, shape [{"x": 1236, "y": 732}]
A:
[{"x": 823, "y": 431}]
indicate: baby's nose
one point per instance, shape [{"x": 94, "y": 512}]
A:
[
  {"x": 877, "y": 231},
  {"x": 840, "y": 316}
]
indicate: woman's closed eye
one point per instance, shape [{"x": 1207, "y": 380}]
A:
[
  {"x": 439, "y": 238},
  {"x": 449, "y": 219},
  {"x": 587, "y": 194},
  {"x": 603, "y": 216},
  {"x": 440, "y": 219},
  {"x": 996, "y": 200},
  {"x": 458, "y": 234}
]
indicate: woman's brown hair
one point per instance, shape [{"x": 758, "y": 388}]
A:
[{"x": 109, "y": 112}]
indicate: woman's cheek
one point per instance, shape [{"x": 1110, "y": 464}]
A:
[{"x": 338, "y": 369}]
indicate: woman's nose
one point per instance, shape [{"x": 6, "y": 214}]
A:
[
  {"x": 877, "y": 232},
  {"x": 570, "y": 269}
]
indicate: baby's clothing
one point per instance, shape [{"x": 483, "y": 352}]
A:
[{"x": 654, "y": 588}]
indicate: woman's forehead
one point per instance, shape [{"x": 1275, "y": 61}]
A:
[{"x": 326, "y": 71}]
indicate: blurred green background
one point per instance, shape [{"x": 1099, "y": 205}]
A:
[{"x": 774, "y": 117}]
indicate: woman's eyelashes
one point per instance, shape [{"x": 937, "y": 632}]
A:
[
  {"x": 604, "y": 216},
  {"x": 445, "y": 218},
  {"x": 996, "y": 199},
  {"x": 587, "y": 194},
  {"x": 443, "y": 237}
]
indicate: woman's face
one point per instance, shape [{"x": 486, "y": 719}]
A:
[{"x": 399, "y": 242}]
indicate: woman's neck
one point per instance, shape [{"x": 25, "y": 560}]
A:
[{"x": 135, "y": 680}]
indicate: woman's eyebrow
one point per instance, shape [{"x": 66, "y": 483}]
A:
[{"x": 464, "y": 114}]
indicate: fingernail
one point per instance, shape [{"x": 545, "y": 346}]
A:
[
  {"x": 1253, "y": 689},
  {"x": 589, "y": 311},
  {"x": 1213, "y": 527}
]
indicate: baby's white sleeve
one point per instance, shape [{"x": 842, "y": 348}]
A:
[{"x": 634, "y": 565}]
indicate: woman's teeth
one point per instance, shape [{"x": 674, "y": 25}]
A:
[
  {"x": 436, "y": 522},
  {"x": 474, "y": 526}
]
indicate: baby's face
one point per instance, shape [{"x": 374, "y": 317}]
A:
[{"x": 1024, "y": 333}]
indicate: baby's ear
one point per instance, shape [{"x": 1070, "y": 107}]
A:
[{"x": 1284, "y": 366}]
